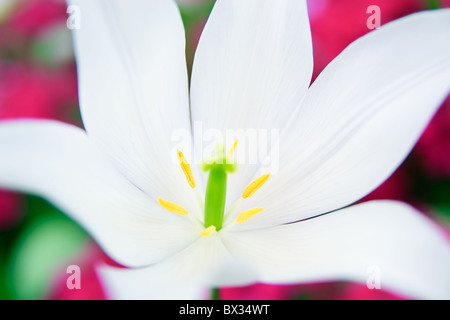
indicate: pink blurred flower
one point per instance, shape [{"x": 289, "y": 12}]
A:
[
  {"x": 354, "y": 291},
  {"x": 91, "y": 287},
  {"x": 397, "y": 187},
  {"x": 261, "y": 291},
  {"x": 31, "y": 16},
  {"x": 433, "y": 149},
  {"x": 31, "y": 93},
  {"x": 27, "y": 91},
  {"x": 9, "y": 209},
  {"x": 27, "y": 20},
  {"x": 313, "y": 291},
  {"x": 335, "y": 24},
  {"x": 257, "y": 291}
]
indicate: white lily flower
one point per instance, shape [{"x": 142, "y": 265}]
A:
[{"x": 339, "y": 140}]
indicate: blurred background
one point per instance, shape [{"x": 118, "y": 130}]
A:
[{"x": 38, "y": 80}]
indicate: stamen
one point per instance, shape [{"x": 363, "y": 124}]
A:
[
  {"x": 254, "y": 186},
  {"x": 172, "y": 207},
  {"x": 208, "y": 231},
  {"x": 245, "y": 215},
  {"x": 231, "y": 151},
  {"x": 186, "y": 169}
]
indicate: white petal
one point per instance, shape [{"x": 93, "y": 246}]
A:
[
  {"x": 60, "y": 163},
  {"x": 187, "y": 275},
  {"x": 146, "y": 284},
  {"x": 360, "y": 119},
  {"x": 133, "y": 88},
  {"x": 251, "y": 70},
  {"x": 384, "y": 239}
]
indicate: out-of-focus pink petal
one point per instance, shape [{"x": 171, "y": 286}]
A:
[
  {"x": 336, "y": 24},
  {"x": 433, "y": 149},
  {"x": 311, "y": 291},
  {"x": 397, "y": 187},
  {"x": 34, "y": 93},
  {"x": 355, "y": 291},
  {"x": 10, "y": 209},
  {"x": 91, "y": 288},
  {"x": 257, "y": 291},
  {"x": 32, "y": 16}
]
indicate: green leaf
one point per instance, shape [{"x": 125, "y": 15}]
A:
[{"x": 434, "y": 4}]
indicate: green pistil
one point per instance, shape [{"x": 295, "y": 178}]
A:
[
  {"x": 216, "y": 191},
  {"x": 216, "y": 188}
]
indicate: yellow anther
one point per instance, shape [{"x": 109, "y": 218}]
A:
[
  {"x": 186, "y": 169},
  {"x": 254, "y": 186},
  {"x": 231, "y": 151},
  {"x": 245, "y": 215},
  {"x": 208, "y": 231},
  {"x": 172, "y": 207}
]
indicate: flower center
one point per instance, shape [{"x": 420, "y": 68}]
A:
[{"x": 216, "y": 189}]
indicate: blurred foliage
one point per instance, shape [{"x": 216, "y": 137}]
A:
[
  {"x": 52, "y": 48},
  {"x": 36, "y": 250},
  {"x": 434, "y": 4},
  {"x": 426, "y": 189},
  {"x": 194, "y": 17}
]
